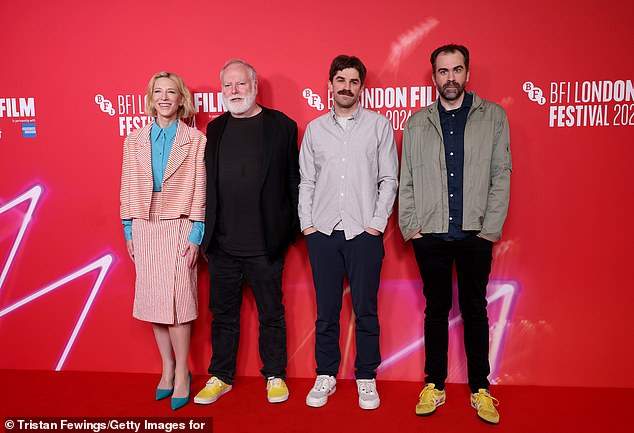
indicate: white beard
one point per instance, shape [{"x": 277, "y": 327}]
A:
[{"x": 240, "y": 107}]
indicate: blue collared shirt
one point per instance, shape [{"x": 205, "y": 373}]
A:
[
  {"x": 453, "y": 124},
  {"x": 162, "y": 140}
]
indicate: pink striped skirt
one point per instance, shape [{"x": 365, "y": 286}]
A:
[{"x": 166, "y": 288}]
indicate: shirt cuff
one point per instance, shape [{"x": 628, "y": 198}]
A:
[
  {"x": 127, "y": 229},
  {"x": 197, "y": 233},
  {"x": 303, "y": 225},
  {"x": 379, "y": 224}
]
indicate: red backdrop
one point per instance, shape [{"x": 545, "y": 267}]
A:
[{"x": 72, "y": 83}]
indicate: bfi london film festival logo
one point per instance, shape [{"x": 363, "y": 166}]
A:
[
  {"x": 21, "y": 111},
  {"x": 131, "y": 113},
  {"x": 395, "y": 103},
  {"x": 314, "y": 100},
  {"x": 586, "y": 103}
]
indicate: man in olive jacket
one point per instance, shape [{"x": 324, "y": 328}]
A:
[{"x": 453, "y": 200}]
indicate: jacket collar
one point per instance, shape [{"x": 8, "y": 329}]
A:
[
  {"x": 434, "y": 116},
  {"x": 180, "y": 149}
]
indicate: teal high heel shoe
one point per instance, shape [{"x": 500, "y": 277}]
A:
[
  {"x": 163, "y": 393},
  {"x": 178, "y": 402}
]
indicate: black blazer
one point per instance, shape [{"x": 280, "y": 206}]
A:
[{"x": 279, "y": 184}]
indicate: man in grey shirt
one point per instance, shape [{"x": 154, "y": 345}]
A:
[{"x": 348, "y": 167}]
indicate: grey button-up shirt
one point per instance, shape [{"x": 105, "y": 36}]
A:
[{"x": 347, "y": 175}]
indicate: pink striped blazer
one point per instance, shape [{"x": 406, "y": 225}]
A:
[{"x": 184, "y": 181}]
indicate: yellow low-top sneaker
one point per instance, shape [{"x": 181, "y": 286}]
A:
[
  {"x": 214, "y": 388},
  {"x": 429, "y": 399},
  {"x": 485, "y": 404},
  {"x": 276, "y": 390}
]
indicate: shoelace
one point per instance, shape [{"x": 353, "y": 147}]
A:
[
  {"x": 274, "y": 383},
  {"x": 366, "y": 386},
  {"x": 427, "y": 393},
  {"x": 321, "y": 384},
  {"x": 486, "y": 400},
  {"x": 212, "y": 381}
]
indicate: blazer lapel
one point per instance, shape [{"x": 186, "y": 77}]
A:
[
  {"x": 270, "y": 134},
  {"x": 144, "y": 154},
  {"x": 180, "y": 149}
]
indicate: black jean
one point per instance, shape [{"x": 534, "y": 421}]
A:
[
  {"x": 472, "y": 257},
  {"x": 227, "y": 274},
  {"x": 332, "y": 257}
]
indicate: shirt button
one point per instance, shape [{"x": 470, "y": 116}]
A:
[
  {"x": 341, "y": 194},
  {"x": 451, "y": 153},
  {"x": 450, "y": 218},
  {"x": 451, "y": 195},
  {"x": 342, "y": 177},
  {"x": 451, "y": 174},
  {"x": 343, "y": 159},
  {"x": 450, "y": 132}
]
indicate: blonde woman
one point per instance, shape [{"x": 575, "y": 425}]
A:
[{"x": 163, "y": 210}]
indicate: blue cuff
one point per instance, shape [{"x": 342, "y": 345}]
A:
[
  {"x": 197, "y": 233},
  {"x": 127, "y": 229}
]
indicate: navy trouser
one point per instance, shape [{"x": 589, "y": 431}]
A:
[
  {"x": 472, "y": 256},
  {"x": 332, "y": 257},
  {"x": 226, "y": 276}
]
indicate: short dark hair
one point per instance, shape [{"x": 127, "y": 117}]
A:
[
  {"x": 344, "y": 61},
  {"x": 450, "y": 48}
]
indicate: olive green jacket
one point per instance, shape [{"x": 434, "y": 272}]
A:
[{"x": 423, "y": 198}]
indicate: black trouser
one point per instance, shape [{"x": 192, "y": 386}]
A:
[
  {"x": 332, "y": 257},
  {"x": 472, "y": 256},
  {"x": 226, "y": 275}
]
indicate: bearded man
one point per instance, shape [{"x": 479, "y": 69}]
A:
[
  {"x": 453, "y": 201},
  {"x": 251, "y": 218}
]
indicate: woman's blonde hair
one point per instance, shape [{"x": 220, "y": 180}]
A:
[{"x": 184, "y": 111}]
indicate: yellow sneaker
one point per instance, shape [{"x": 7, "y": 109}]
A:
[
  {"x": 429, "y": 399},
  {"x": 212, "y": 391},
  {"x": 485, "y": 404},
  {"x": 276, "y": 390}
]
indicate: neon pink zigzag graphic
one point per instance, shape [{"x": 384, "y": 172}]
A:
[{"x": 103, "y": 264}]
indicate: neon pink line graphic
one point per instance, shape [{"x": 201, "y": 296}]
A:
[
  {"x": 502, "y": 297},
  {"x": 34, "y": 195},
  {"x": 103, "y": 264},
  {"x": 504, "y": 292}
]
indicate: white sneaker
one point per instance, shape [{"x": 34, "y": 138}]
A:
[
  {"x": 324, "y": 386},
  {"x": 368, "y": 396}
]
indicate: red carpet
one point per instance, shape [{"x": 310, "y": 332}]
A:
[{"x": 29, "y": 394}]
